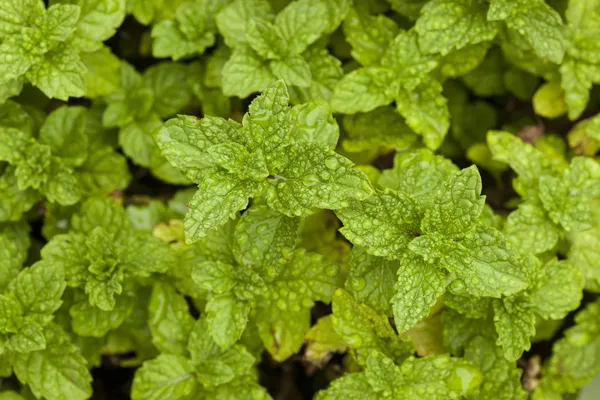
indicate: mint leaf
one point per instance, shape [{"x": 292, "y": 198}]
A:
[
  {"x": 227, "y": 317},
  {"x": 425, "y": 111},
  {"x": 567, "y": 200},
  {"x": 557, "y": 289},
  {"x": 167, "y": 375},
  {"x": 417, "y": 290},
  {"x": 363, "y": 90},
  {"x": 263, "y": 237},
  {"x": 537, "y": 23},
  {"x": 447, "y": 25},
  {"x": 220, "y": 196},
  {"x": 419, "y": 173},
  {"x": 315, "y": 123},
  {"x": 485, "y": 263},
  {"x": 371, "y": 279},
  {"x": 382, "y": 128},
  {"x": 232, "y": 19},
  {"x": 523, "y": 225},
  {"x": 170, "y": 321},
  {"x": 384, "y": 224},
  {"x": 459, "y": 201},
  {"x": 515, "y": 325},
  {"x": 368, "y": 35},
  {"x": 57, "y": 372},
  {"x": 364, "y": 330},
  {"x": 315, "y": 177}
]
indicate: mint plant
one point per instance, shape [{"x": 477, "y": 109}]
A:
[{"x": 311, "y": 199}]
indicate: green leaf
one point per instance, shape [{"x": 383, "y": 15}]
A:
[
  {"x": 426, "y": 112},
  {"x": 363, "y": 90},
  {"x": 567, "y": 200},
  {"x": 88, "y": 320},
  {"x": 245, "y": 73},
  {"x": 233, "y": 19},
  {"x": 282, "y": 330},
  {"x": 418, "y": 288},
  {"x": 145, "y": 255},
  {"x": 315, "y": 177},
  {"x": 306, "y": 278},
  {"x": 325, "y": 72},
  {"x": 557, "y": 289},
  {"x": 439, "y": 376},
  {"x": 235, "y": 158},
  {"x": 515, "y": 325},
  {"x": 68, "y": 252},
  {"x": 484, "y": 263},
  {"x": 170, "y": 320},
  {"x": 190, "y": 31},
  {"x": 132, "y": 102},
  {"x": 322, "y": 341},
  {"x": 410, "y": 65},
  {"x": 263, "y": 237},
  {"x": 382, "y": 128},
  {"x": 419, "y": 173},
  {"x": 227, "y": 317},
  {"x": 18, "y": 12},
  {"x": 315, "y": 123},
  {"x": 214, "y": 366},
  {"x": 292, "y": 69},
  {"x": 349, "y": 386},
  {"x": 583, "y": 254},
  {"x": 384, "y": 224},
  {"x": 38, "y": 289},
  {"x": 60, "y": 74},
  {"x": 456, "y": 206},
  {"x": 102, "y": 77},
  {"x": 105, "y": 213},
  {"x": 527, "y": 161},
  {"x": 268, "y": 123},
  {"x": 98, "y": 21},
  {"x": 167, "y": 376},
  {"x": 63, "y": 131},
  {"x": 488, "y": 78},
  {"x": 530, "y": 229},
  {"x": 58, "y": 22},
  {"x": 548, "y": 101},
  {"x": 241, "y": 388},
  {"x": 222, "y": 278},
  {"x": 14, "y": 243},
  {"x": 58, "y": 372},
  {"x": 368, "y": 35},
  {"x": 574, "y": 360},
  {"x": 183, "y": 141},
  {"x": 301, "y": 23},
  {"x": 61, "y": 186},
  {"x": 501, "y": 378},
  {"x": 219, "y": 197},
  {"x": 364, "y": 330},
  {"x": 446, "y": 25},
  {"x": 103, "y": 171},
  {"x": 536, "y": 22},
  {"x": 168, "y": 84},
  {"x": 409, "y": 8},
  {"x": 143, "y": 10},
  {"x": 371, "y": 279},
  {"x": 265, "y": 39},
  {"x": 29, "y": 337},
  {"x": 102, "y": 292}
]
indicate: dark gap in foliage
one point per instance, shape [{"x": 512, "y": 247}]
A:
[{"x": 111, "y": 381}]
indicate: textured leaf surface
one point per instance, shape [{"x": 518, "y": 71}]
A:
[{"x": 384, "y": 223}]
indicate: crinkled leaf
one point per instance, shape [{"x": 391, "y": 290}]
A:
[{"x": 384, "y": 223}]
